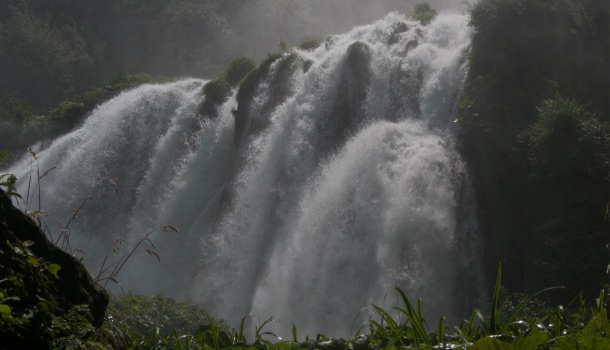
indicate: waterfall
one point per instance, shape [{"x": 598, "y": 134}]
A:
[{"x": 330, "y": 177}]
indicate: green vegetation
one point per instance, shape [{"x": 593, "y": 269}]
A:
[
  {"x": 51, "y": 50},
  {"x": 513, "y": 323},
  {"x": 42, "y": 61},
  {"x": 423, "y": 13},
  {"x": 310, "y": 44},
  {"x": 8, "y": 182},
  {"x": 280, "y": 88},
  {"x": 535, "y": 112},
  {"x": 237, "y": 70},
  {"x": 147, "y": 312},
  {"x": 31, "y": 315},
  {"x": 217, "y": 91},
  {"x": 20, "y": 127}
]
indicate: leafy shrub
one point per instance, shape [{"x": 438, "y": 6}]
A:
[
  {"x": 31, "y": 316},
  {"x": 310, "y": 44},
  {"x": 15, "y": 114},
  {"x": 42, "y": 62},
  {"x": 566, "y": 153},
  {"x": 567, "y": 137},
  {"x": 424, "y": 13},
  {"x": 217, "y": 91},
  {"x": 8, "y": 181},
  {"x": 147, "y": 312},
  {"x": 237, "y": 70},
  {"x": 551, "y": 208}
]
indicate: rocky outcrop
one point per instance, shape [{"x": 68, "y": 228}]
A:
[
  {"x": 349, "y": 106},
  {"x": 39, "y": 279}
]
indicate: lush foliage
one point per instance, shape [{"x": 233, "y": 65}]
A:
[
  {"x": 512, "y": 323},
  {"x": 29, "y": 313},
  {"x": 8, "y": 181},
  {"x": 535, "y": 113},
  {"x": 20, "y": 127},
  {"x": 145, "y": 313},
  {"x": 50, "y": 50},
  {"x": 424, "y": 13},
  {"x": 217, "y": 91},
  {"x": 39, "y": 60}
]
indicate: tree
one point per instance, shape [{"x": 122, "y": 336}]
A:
[
  {"x": 39, "y": 61},
  {"x": 424, "y": 13}
]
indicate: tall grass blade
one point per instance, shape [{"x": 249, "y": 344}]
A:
[
  {"x": 441, "y": 331},
  {"x": 415, "y": 319},
  {"x": 601, "y": 301},
  {"x": 388, "y": 318},
  {"x": 470, "y": 325},
  {"x": 495, "y": 317},
  {"x": 295, "y": 335},
  {"x": 240, "y": 335}
]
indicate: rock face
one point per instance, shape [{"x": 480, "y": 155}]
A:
[{"x": 28, "y": 270}]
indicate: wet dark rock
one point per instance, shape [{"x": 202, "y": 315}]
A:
[
  {"x": 405, "y": 92},
  {"x": 349, "y": 107},
  {"x": 397, "y": 29},
  {"x": 411, "y": 44}
]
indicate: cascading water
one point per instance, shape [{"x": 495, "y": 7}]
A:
[{"x": 329, "y": 178}]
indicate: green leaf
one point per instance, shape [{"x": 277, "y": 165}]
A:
[
  {"x": 33, "y": 261},
  {"x": 491, "y": 344},
  {"x": 53, "y": 269},
  {"x": 43, "y": 306},
  {"x": 494, "y": 318},
  {"x": 531, "y": 341},
  {"x": 5, "y": 310}
]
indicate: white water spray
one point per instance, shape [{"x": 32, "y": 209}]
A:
[{"x": 337, "y": 181}]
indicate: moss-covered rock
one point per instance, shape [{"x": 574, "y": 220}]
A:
[
  {"x": 280, "y": 87},
  {"x": 237, "y": 70},
  {"x": 310, "y": 44},
  {"x": 218, "y": 90},
  {"x": 45, "y": 293},
  {"x": 216, "y": 93}
]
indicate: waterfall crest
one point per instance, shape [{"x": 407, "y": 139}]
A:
[{"x": 329, "y": 178}]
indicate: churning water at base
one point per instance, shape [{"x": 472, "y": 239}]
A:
[{"x": 332, "y": 177}]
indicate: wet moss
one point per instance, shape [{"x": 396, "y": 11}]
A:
[
  {"x": 280, "y": 87},
  {"x": 237, "y": 70},
  {"x": 310, "y": 44},
  {"x": 218, "y": 90}
]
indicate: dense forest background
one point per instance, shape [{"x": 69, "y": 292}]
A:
[
  {"x": 52, "y": 50},
  {"x": 535, "y": 109},
  {"x": 537, "y": 137}
]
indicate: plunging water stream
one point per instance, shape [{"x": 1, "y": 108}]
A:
[{"x": 307, "y": 197}]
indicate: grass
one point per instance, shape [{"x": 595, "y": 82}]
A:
[{"x": 580, "y": 328}]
